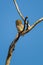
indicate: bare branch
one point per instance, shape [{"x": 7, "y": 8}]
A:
[
  {"x": 19, "y": 12},
  {"x": 11, "y": 49},
  {"x": 32, "y": 26}
]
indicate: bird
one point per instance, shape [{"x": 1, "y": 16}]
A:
[{"x": 19, "y": 25}]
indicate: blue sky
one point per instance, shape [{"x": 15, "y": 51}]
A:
[{"x": 29, "y": 49}]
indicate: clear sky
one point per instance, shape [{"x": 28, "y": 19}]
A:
[{"x": 29, "y": 49}]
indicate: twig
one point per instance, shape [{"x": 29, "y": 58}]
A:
[
  {"x": 19, "y": 12},
  {"x": 32, "y": 26}
]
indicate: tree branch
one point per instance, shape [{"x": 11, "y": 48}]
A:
[
  {"x": 11, "y": 49},
  {"x": 32, "y": 26},
  {"x": 19, "y": 12}
]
